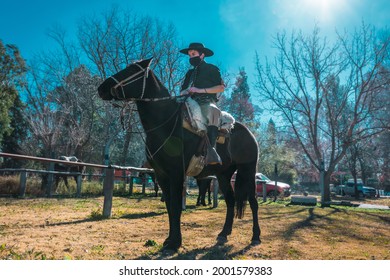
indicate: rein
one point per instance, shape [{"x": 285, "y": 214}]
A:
[
  {"x": 176, "y": 112},
  {"x": 129, "y": 80}
]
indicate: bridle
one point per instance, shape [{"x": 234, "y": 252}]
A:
[
  {"x": 144, "y": 76},
  {"x": 129, "y": 80},
  {"x": 120, "y": 95}
]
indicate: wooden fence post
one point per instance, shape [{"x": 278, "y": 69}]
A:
[
  {"x": 276, "y": 182},
  {"x": 264, "y": 191},
  {"x": 131, "y": 184},
  {"x": 50, "y": 179},
  {"x": 124, "y": 178},
  {"x": 108, "y": 188},
  {"x": 79, "y": 182},
  {"x": 144, "y": 182},
  {"x": 22, "y": 183}
]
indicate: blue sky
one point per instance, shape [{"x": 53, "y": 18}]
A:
[{"x": 234, "y": 29}]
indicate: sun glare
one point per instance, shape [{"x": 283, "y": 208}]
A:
[{"x": 324, "y": 10}]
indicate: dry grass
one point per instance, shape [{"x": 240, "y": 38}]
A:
[{"x": 71, "y": 228}]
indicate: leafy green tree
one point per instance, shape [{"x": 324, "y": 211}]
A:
[
  {"x": 13, "y": 142},
  {"x": 239, "y": 103},
  {"x": 12, "y": 69},
  {"x": 274, "y": 150}
]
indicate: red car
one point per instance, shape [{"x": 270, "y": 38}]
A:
[{"x": 282, "y": 188}]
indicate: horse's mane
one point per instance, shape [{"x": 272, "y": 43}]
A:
[{"x": 159, "y": 86}]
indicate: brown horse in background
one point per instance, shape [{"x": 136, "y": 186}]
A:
[
  {"x": 62, "y": 167},
  {"x": 143, "y": 175}
]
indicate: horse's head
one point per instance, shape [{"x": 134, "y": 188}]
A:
[{"x": 128, "y": 83}]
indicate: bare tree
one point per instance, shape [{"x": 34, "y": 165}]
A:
[
  {"x": 118, "y": 38},
  {"x": 326, "y": 92},
  {"x": 77, "y": 107},
  {"x": 64, "y": 111},
  {"x": 45, "y": 125}
]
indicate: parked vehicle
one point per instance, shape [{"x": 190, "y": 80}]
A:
[
  {"x": 336, "y": 189},
  {"x": 349, "y": 189},
  {"x": 281, "y": 188},
  {"x": 369, "y": 191}
]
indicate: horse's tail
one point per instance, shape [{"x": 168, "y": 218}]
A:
[
  {"x": 240, "y": 205},
  {"x": 240, "y": 195},
  {"x": 245, "y": 186}
]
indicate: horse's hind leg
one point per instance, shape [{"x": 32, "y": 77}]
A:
[
  {"x": 256, "y": 227},
  {"x": 203, "y": 196},
  {"x": 248, "y": 173},
  {"x": 224, "y": 184}
]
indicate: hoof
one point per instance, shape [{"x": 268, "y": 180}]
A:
[
  {"x": 169, "y": 249},
  {"x": 170, "y": 246},
  {"x": 221, "y": 240},
  {"x": 255, "y": 242}
]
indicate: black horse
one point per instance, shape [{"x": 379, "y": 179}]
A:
[
  {"x": 204, "y": 186},
  {"x": 169, "y": 149}
]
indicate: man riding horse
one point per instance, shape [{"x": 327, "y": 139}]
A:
[
  {"x": 170, "y": 148},
  {"x": 203, "y": 83}
]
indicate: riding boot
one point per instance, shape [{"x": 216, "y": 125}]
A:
[{"x": 212, "y": 156}]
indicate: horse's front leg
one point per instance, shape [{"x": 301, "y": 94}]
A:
[
  {"x": 174, "y": 207},
  {"x": 172, "y": 193}
]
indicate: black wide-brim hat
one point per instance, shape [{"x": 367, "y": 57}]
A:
[{"x": 198, "y": 47}]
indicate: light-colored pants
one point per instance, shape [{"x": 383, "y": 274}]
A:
[{"x": 211, "y": 113}]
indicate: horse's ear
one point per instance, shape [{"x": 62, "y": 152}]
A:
[{"x": 146, "y": 63}]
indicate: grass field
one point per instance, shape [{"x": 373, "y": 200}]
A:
[{"x": 70, "y": 228}]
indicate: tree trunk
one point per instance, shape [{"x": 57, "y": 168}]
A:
[
  {"x": 126, "y": 145},
  {"x": 326, "y": 186}
]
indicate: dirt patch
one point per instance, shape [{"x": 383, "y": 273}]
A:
[{"x": 72, "y": 229}]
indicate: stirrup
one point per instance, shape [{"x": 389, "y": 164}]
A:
[{"x": 212, "y": 157}]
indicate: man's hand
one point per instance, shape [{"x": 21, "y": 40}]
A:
[
  {"x": 184, "y": 92},
  {"x": 194, "y": 90}
]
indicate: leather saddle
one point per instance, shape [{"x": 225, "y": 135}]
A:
[{"x": 195, "y": 122}]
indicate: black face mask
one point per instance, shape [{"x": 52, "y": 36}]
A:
[{"x": 195, "y": 61}]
